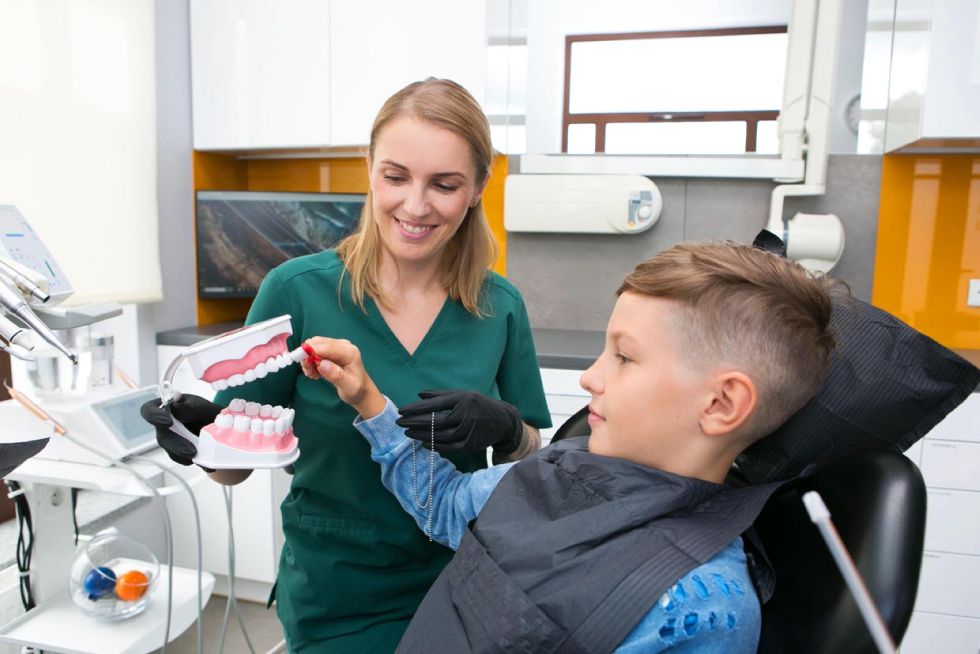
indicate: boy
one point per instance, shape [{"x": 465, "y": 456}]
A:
[{"x": 626, "y": 541}]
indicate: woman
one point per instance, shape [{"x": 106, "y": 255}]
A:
[{"x": 412, "y": 289}]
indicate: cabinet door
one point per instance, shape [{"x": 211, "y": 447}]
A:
[
  {"x": 260, "y": 73},
  {"x": 564, "y": 395},
  {"x": 378, "y": 46}
]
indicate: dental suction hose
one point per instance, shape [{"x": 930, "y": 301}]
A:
[{"x": 16, "y": 306}]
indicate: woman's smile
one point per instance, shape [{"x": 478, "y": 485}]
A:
[{"x": 412, "y": 230}]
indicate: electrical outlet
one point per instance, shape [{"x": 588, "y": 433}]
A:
[{"x": 973, "y": 293}]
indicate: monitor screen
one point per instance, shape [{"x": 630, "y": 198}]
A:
[{"x": 242, "y": 235}]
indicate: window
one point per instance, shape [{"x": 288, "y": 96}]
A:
[
  {"x": 506, "y": 93},
  {"x": 713, "y": 91},
  {"x": 78, "y": 128}
]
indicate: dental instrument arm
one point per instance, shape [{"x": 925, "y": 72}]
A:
[
  {"x": 15, "y": 305},
  {"x": 25, "y": 279}
]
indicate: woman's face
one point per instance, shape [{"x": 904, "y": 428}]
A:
[{"x": 422, "y": 182}]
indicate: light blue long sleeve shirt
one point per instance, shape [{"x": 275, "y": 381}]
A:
[{"x": 711, "y": 610}]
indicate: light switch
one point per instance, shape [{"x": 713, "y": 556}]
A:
[{"x": 973, "y": 293}]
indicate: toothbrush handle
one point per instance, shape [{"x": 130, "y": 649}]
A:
[{"x": 178, "y": 428}]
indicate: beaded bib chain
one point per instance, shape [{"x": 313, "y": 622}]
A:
[{"x": 415, "y": 475}]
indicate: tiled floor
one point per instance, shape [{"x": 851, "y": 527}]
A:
[{"x": 263, "y": 628}]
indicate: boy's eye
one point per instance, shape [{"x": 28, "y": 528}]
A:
[{"x": 622, "y": 357}]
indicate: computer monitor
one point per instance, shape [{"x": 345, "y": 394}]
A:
[{"x": 242, "y": 235}]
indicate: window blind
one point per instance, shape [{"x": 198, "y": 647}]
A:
[{"x": 78, "y": 139}]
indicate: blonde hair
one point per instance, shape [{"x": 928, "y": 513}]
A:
[
  {"x": 741, "y": 306},
  {"x": 472, "y": 250}
]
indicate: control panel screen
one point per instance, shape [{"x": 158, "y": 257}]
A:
[{"x": 121, "y": 415}]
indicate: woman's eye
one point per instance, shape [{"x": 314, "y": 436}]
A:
[
  {"x": 445, "y": 188},
  {"x": 394, "y": 179}
]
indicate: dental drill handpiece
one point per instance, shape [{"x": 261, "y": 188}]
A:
[
  {"x": 16, "y": 306},
  {"x": 23, "y": 282},
  {"x": 168, "y": 394},
  {"x": 18, "y": 339}
]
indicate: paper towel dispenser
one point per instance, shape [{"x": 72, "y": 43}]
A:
[{"x": 581, "y": 204}]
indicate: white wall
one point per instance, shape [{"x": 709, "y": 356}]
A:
[{"x": 175, "y": 187}]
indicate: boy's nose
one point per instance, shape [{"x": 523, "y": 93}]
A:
[{"x": 590, "y": 380}]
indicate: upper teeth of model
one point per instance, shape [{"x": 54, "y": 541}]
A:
[{"x": 260, "y": 370}]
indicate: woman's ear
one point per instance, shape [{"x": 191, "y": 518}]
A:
[
  {"x": 479, "y": 193},
  {"x": 732, "y": 401}
]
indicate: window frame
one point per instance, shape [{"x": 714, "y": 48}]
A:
[{"x": 601, "y": 120}]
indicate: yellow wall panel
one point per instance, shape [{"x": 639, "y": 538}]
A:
[
  {"x": 312, "y": 174},
  {"x": 928, "y": 245},
  {"x": 493, "y": 206}
]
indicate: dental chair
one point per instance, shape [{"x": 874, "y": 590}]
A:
[{"x": 877, "y": 501}]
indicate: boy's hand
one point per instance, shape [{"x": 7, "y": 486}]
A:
[{"x": 341, "y": 365}]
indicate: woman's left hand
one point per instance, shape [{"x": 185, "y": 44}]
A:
[
  {"x": 341, "y": 365},
  {"x": 463, "y": 421}
]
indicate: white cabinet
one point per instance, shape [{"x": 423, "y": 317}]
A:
[
  {"x": 934, "y": 89},
  {"x": 564, "y": 396},
  {"x": 255, "y": 514},
  {"x": 947, "y": 608},
  {"x": 379, "y": 46},
  {"x": 260, "y": 73},
  {"x": 309, "y": 73}
]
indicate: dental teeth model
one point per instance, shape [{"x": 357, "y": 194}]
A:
[{"x": 246, "y": 435}]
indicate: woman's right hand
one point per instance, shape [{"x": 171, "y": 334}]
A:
[
  {"x": 193, "y": 411},
  {"x": 340, "y": 364}
]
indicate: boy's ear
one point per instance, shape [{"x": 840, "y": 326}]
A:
[{"x": 732, "y": 402}]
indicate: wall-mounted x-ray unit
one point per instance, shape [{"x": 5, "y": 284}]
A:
[{"x": 589, "y": 204}]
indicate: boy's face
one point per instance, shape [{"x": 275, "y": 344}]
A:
[{"x": 646, "y": 401}]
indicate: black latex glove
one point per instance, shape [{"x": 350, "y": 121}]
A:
[
  {"x": 465, "y": 421},
  {"x": 195, "y": 412}
]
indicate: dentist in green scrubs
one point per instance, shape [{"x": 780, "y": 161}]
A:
[{"x": 413, "y": 290}]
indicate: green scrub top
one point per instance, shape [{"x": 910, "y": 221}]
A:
[{"x": 355, "y": 566}]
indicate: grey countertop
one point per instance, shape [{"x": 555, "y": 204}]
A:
[{"x": 557, "y": 348}]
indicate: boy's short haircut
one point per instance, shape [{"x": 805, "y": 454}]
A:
[{"x": 742, "y": 307}]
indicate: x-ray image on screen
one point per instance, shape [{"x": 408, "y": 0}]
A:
[{"x": 242, "y": 235}]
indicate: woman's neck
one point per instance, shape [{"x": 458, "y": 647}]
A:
[{"x": 400, "y": 278}]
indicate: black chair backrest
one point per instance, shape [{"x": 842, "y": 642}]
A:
[
  {"x": 877, "y": 501},
  {"x": 576, "y": 425}
]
